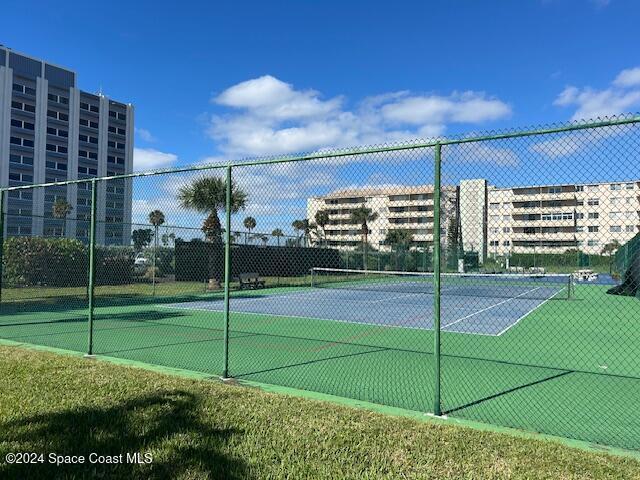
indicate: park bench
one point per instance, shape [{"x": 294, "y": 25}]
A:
[{"x": 250, "y": 280}]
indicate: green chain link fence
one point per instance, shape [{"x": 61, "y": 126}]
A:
[{"x": 476, "y": 277}]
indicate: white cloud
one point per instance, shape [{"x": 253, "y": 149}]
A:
[
  {"x": 628, "y": 78},
  {"x": 267, "y": 116},
  {"x": 145, "y": 135},
  {"x": 272, "y": 98},
  {"x": 621, "y": 96},
  {"x": 467, "y": 107},
  {"x": 150, "y": 159}
]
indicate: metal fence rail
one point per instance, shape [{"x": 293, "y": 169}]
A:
[{"x": 472, "y": 276}]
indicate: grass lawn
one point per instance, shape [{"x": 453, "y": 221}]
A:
[{"x": 204, "y": 429}]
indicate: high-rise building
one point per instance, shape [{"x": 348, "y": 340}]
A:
[{"x": 51, "y": 131}]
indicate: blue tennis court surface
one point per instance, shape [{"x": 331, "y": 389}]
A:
[{"x": 463, "y": 310}]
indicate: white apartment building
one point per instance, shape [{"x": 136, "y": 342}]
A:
[
  {"x": 397, "y": 207},
  {"x": 494, "y": 221},
  {"x": 556, "y": 218}
]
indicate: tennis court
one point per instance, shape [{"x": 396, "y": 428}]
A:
[{"x": 473, "y": 304}]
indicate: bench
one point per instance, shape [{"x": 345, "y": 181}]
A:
[{"x": 250, "y": 280}]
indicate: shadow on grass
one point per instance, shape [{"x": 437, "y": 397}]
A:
[{"x": 165, "y": 423}]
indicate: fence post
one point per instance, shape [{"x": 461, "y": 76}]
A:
[
  {"x": 227, "y": 274},
  {"x": 436, "y": 280},
  {"x": 92, "y": 261},
  {"x": 1, "y": 239}
]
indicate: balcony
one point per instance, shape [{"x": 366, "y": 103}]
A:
[
  {"x": 543, "y": 223},
  {"x": 543, "y": 236}
]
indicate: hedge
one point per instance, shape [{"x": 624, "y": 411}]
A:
[{"x": 62, "y": 262}]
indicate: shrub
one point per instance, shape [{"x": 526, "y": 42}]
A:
[
  {"x": 32, "y": 261},
  {"x": 63, "y": 262}
]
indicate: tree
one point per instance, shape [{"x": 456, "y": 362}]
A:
[
  {"x": 362, "y": 216},
  {"x": 454, "y": 242},
  {"x": 610, "y": 248},
  {"x": 60, "y": 209},
  {"x": 167, "y": 239},
  {"x": 304, "y": 227},
  {"x": 277, "y": 233},
  {"x": 399, "y": 238},
  {"x": 322, "y": 218},
  {"x": 156, "y": 218},
  {"x": 249, "y": 223},
  {"x": 208, "y": 195},
  {"x": 141, "y": 238}
]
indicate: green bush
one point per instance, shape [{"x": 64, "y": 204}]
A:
[
  {"x": 114, "y": 265},
  {"x": 32, "y": 261},
  {"x": 63, "y": 262}
]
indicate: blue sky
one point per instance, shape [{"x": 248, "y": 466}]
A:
[
  {"x": 172, "y": 60},
  {"x": 219, "y": 80}
]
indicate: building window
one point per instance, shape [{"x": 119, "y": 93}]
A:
[
  {"x": 615, "y": 186},
  {"x": 593, "y": 215},
  {"x": 554, "y": 190},
  {"x": 592, "y": 243},
  {"x": 22, "y": 142},
  {"x": 593, "y": 201},
  {"x": 615, "y": 228},
  {"x": 21, "y": 177},
  {"x": 593, "y": 228},
  {"x": 579, "y": 188},
  {"x": 21, "y": 159},
  {"x": 24, "y": 89},
  {"x": 630, "y": 228}
]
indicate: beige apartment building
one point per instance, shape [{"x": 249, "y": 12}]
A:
[
  {"x": 556, "y": 218},
  {"x": 494, "y": 221},
  {"x": 396, "y": 207}
]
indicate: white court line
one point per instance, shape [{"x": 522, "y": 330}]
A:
[
  {"x": 300, "y": 317},
  {"x": 528, "y": 313},
  {"x": 490, "y": 307}
]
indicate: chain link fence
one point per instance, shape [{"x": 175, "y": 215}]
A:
[{"x": 476, "y": 277}]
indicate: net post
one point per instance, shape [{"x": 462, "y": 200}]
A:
[
  {"x": 92, "y": 270},
  {"x": 436, "y": 279},
  {"x": 1, "y": 239},
  {"x": 227, "y": 274}
]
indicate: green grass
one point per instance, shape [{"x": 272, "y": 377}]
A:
[
  {"x": 204, "y": 429},
  {"x": 569, "y": 369}
]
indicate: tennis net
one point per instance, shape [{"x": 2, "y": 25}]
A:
[{"x": 524, "y": 286}]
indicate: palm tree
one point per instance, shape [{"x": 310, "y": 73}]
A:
[
  {"x": 400, "y": 240},
  {"x": 322, "y": 218},
  {"x": 362, "y": 216},
  {"x": 299, "y": 226},
  {"x": 399, "y": 237},
  {"x": 208, "y": 195},
  {"x": 305, "y": 227},
  {"x": 156, "y": 218},
  {"x": 249, "y": 223},
  {"x": 277, "y": 233},
  {"x": 60, "y": 209}
]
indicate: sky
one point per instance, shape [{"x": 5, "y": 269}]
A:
[{"x": 215, "y": 81}]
